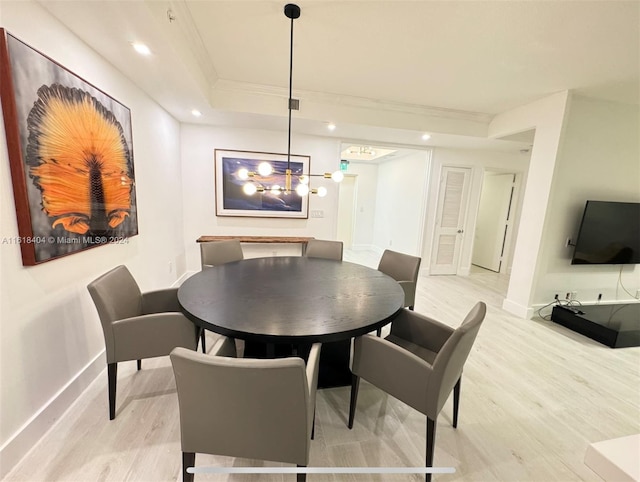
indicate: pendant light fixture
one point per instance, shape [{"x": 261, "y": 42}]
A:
[{"x": 302, "y": 188}]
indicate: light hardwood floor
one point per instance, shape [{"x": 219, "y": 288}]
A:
[{"x": 534, "y": 396}]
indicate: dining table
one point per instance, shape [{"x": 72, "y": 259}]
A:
[{"x": 285, "y": 304}]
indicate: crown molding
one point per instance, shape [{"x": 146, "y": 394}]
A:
[{"x": 225, "y": 85}]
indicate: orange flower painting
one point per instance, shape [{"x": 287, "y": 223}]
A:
[
  {"x": 71, "y": 157},
  {"x": 79, "y": 161}
]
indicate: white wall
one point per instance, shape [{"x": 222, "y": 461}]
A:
[
  {"x": 547, "y": 117},
  {"x": 198, "y": 145},
  {"x": 600, "y": 160},
  {"x": 400, "y": 199},
  {"x": 365, "y": 212},
  {"x": 51, "y": 344}
]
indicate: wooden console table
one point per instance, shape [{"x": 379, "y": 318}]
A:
[
  {"x": 256, "y": 239},
  {"x": 260, "y": 239}
]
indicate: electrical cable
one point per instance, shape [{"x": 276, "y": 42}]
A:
[{"x": 620, "y": 283}]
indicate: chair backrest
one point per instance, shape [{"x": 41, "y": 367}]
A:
[
  {"x": 320, "y": 248},
  {"x": 116, "y": 296},
  {"x": 402, "y": 268},
  {"x": 215, "y": 253},
  {"x": 450, "y": 360},
  {"x": 250, "y": 408}
]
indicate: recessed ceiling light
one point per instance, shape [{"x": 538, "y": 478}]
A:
[
  {"x": 141, "y": 48},
  {"x": 196, "y": 113},
  {"x": 331, "y": 127},
  {"x": 426, "y": 137}
]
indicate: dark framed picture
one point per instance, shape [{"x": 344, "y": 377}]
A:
[
  {"x": 269, "y": 201},
  {"x": 71, "y": 156}
]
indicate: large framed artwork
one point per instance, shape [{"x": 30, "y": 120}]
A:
[
  {"x": 71, "y": 157},
  {"x": 231, "y": 200}
]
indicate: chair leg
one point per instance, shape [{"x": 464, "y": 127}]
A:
[
  {"x": 112, "y": 375},
  {"x": 410, "y": 307},
  {"x": 355, "y": 386},
  {"x": 313, "y": 425},
  {"x": 139, "y": 365},
  {"x": 431, "y": 438},
  {"x": 202, "y": 340},
  {"x": 301, "y": 477},
  {"x": 456, "y": 402},
  {"x": 379, "y": 332},
  {"x": 188, "y": 460}
]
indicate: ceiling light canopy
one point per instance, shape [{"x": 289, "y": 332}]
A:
[
  {"x": 265, "y": 169},
  {"x": 365, "y": 153}
]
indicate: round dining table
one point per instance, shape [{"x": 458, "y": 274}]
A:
[{"x": 294, "y": 301}]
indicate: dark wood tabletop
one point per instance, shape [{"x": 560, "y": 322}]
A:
[{"x": 290, "y": 299}]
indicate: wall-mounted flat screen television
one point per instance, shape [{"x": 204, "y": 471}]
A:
[{"x": 609, "y": 234}]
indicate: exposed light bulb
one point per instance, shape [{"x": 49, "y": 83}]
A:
[
  {"x": 302, "y": 189},
  {"x": 337, "y": 176},
  {"x": 331, "y": 127},
  {"x": 196, "y": 113},
  {"x": 303, "y": 179},
  {"x": 249, "y": 189},
  {"x": 275, "y": 189},
  {"x": 426, "y": 137},
  {"x": 322, "y": 191},
  {"x": 243, "y": 174},
  {"x": 265, "y": 169}
]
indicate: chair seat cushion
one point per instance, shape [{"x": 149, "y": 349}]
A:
[{"x": 427, "y": 355}]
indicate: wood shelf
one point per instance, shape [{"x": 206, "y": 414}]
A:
[{"x": 257, "y": 239}]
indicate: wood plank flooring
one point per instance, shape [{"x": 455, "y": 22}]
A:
[{"x": 534, "y": 396}]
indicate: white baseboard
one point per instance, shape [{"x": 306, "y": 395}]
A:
[
  {"x": 39, "y": 424},
  {"x": 366, "y": 247},
  {"x": 525, "y": 312}
]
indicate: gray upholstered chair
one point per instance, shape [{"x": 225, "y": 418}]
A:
[
  {"x": 137, "y": 325},
  {"x": 241, "y": 407},
  {"x": 419, "y": 363},
  {"x": 404, "y": 269},
  {"x": 319, "y": 248},
  {"x": 215, "y": 253}
]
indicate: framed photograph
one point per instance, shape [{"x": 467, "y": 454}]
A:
[
  {"x": 231, "y": 199},
  {"x": 71, "y": 157}
]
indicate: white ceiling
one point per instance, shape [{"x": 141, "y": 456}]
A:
[{"x": 471, "y": 59}]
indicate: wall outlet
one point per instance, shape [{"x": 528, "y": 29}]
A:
[
  {"x": 573, "y": 295},
  {"x": 638, "y": 294},
  {"x": 317, "y": 213},
  {"x": 567, "y": 243}
]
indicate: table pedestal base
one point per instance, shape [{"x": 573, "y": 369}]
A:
[{"x": 334, "y": 359}]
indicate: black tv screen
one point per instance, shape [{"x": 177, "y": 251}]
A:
[{"x": 609, "y": 234}]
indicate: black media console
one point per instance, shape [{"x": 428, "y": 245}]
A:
[{"x": 616, "y": 326}]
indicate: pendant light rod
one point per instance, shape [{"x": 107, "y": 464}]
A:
[{"x": 291, "y": 11}]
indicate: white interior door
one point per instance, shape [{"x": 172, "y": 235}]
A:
[
  {"x": 493, "y": 221},
  {"x": 346, "y": 210},
  {"x": 450, "y": 218}
]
